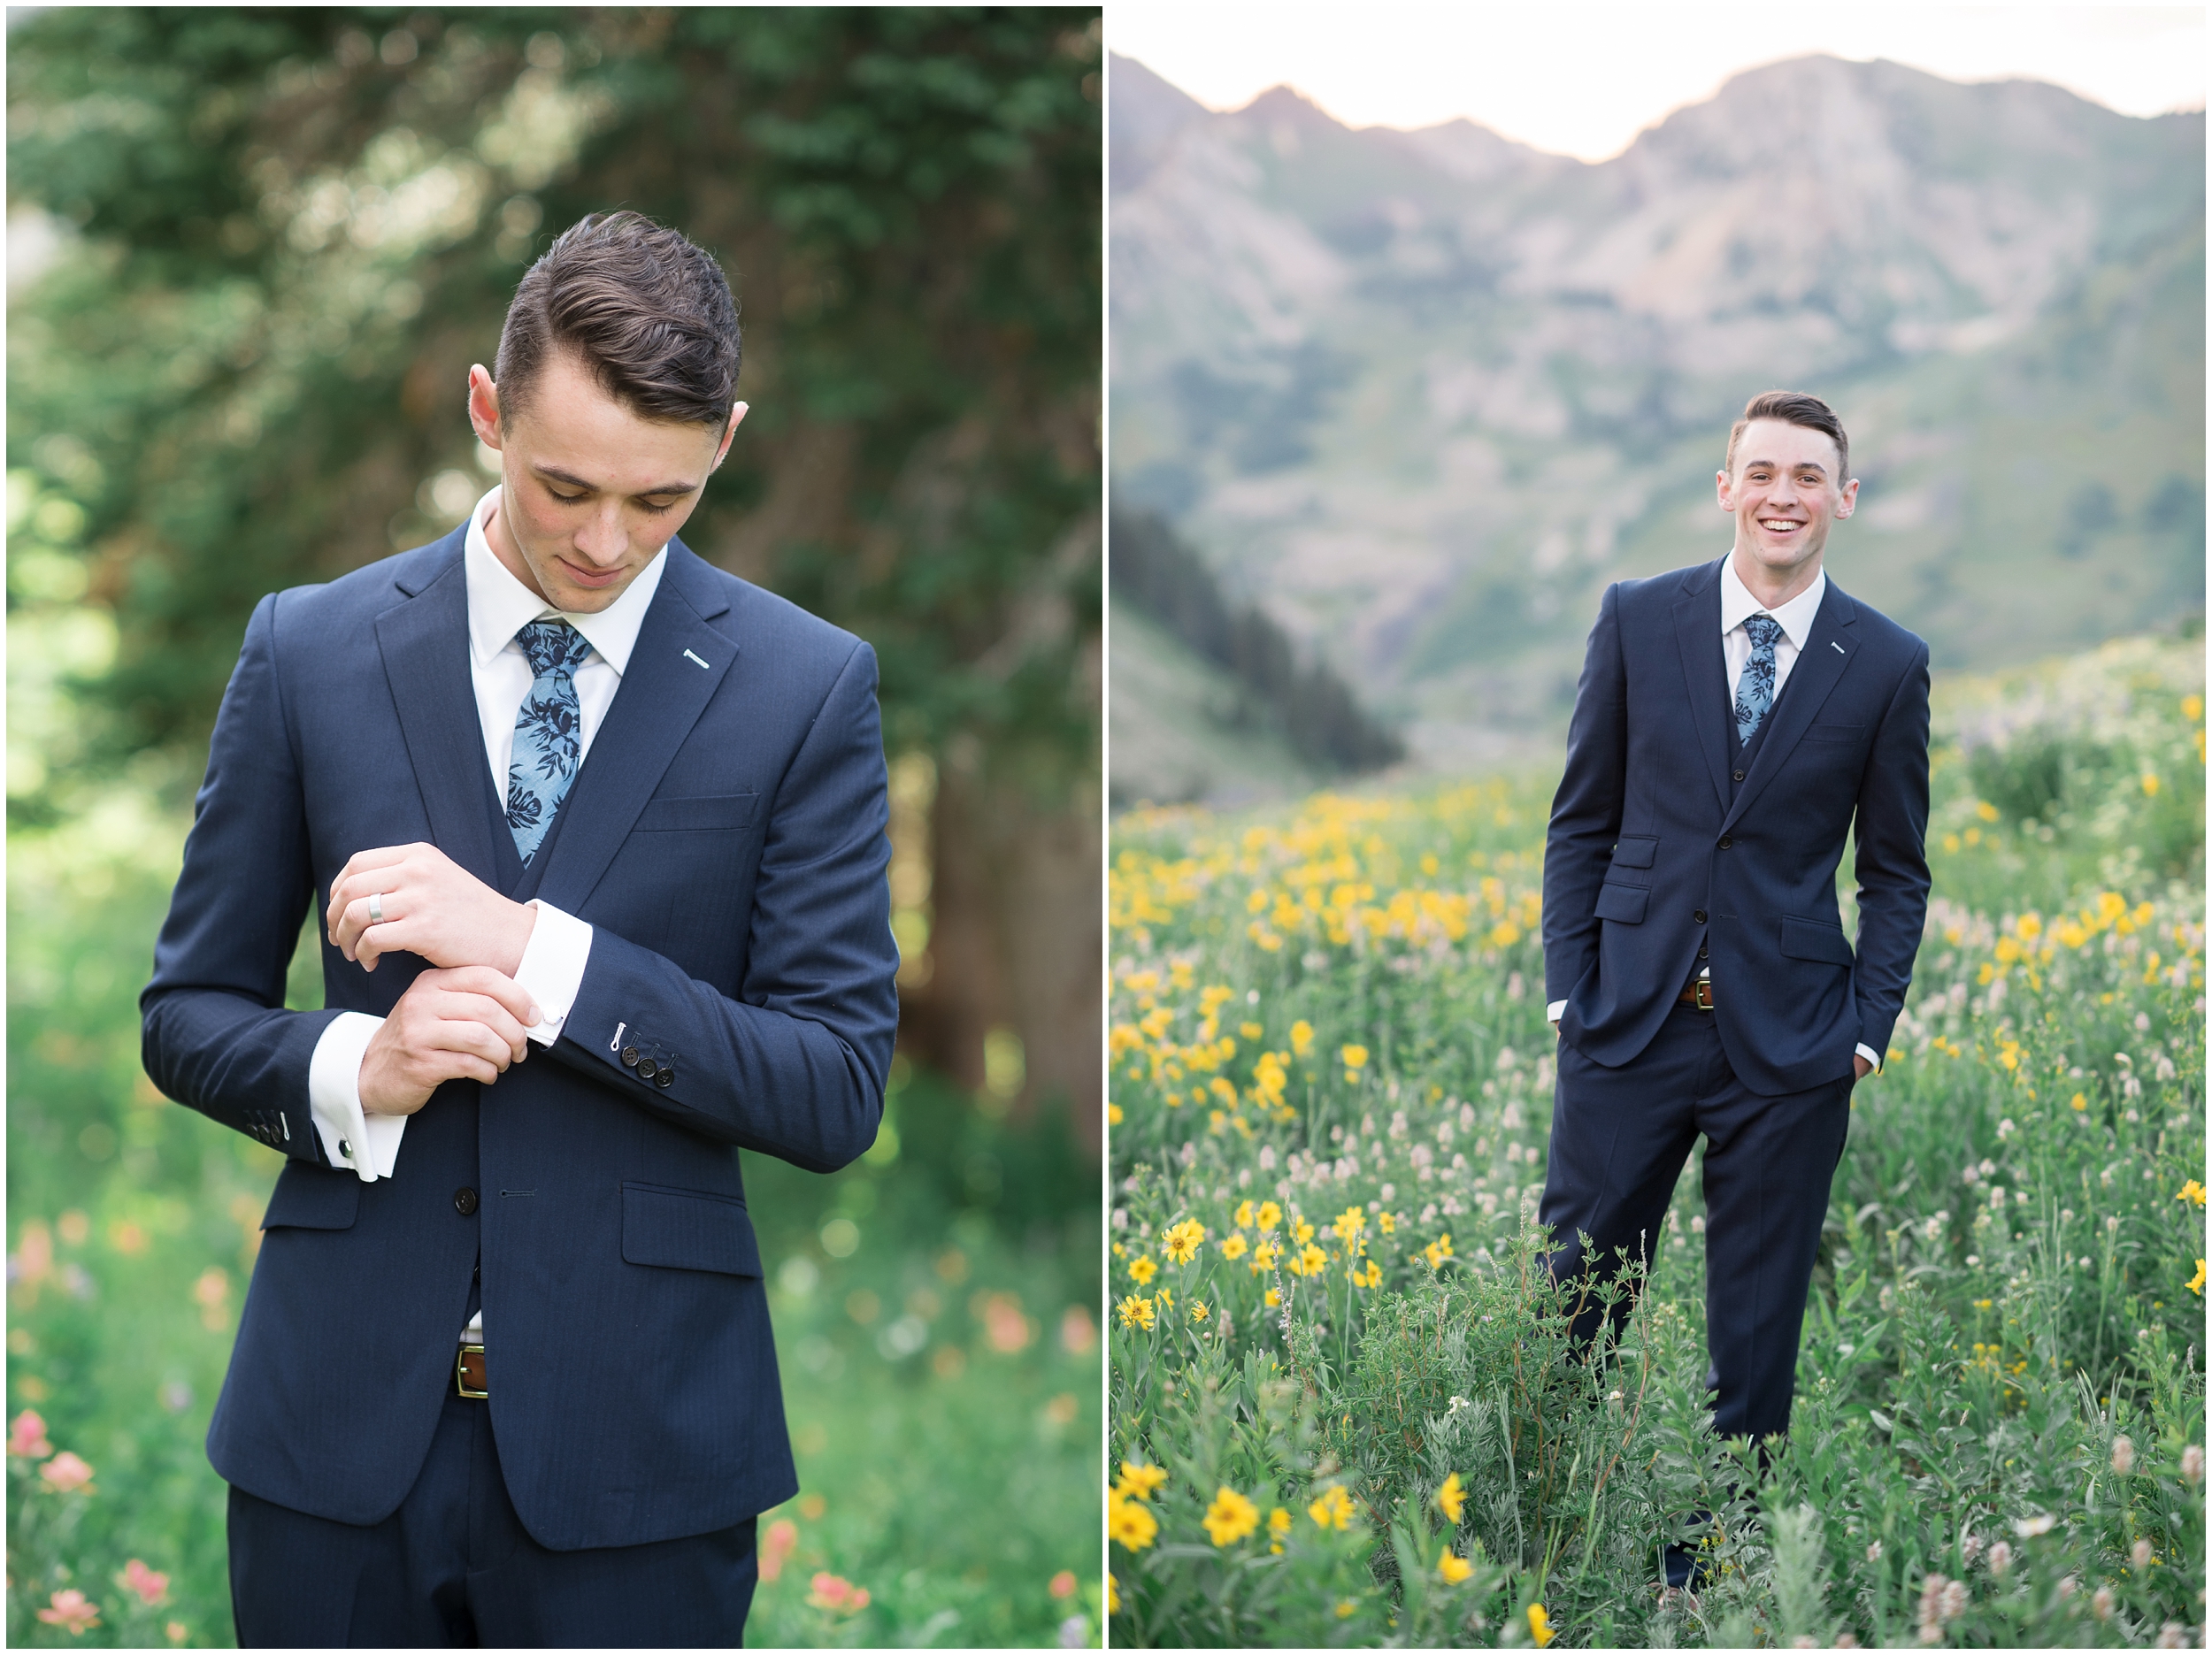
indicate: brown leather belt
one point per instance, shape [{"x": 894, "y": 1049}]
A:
[
  {"x": 468, "y": 1372},
  {"x": 1699, "y": 994}
]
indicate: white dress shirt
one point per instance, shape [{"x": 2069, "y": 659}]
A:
[
  {"x": 1796, "y": 618},
  {"x": 552, "y": 968}
]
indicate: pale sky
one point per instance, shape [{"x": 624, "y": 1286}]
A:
[{"x": 1585, "y": 80}]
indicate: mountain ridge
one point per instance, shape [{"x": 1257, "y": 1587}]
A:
[{"x": 1421, "y": 394}]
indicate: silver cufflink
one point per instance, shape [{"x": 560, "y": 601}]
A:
[{"x": 345, "y": 1149}]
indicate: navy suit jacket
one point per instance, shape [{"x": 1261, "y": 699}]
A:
[
  {"x": 1655, "y": 850},
  {"x": 726, "y": 838}
]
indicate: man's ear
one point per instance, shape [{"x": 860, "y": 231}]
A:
[
  {"x": 1721, "y": 484},
  {"x": 483, "y": 406},
  {"x": 737, "y": 417},
  {"x": 1850, "y": 499}
]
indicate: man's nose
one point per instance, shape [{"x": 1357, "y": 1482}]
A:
[{"x": 602, "y": 539}]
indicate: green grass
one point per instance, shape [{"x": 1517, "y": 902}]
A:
[
  {"x": 1336, "y": 1010},
  {"x": 946, "y": 1471}
]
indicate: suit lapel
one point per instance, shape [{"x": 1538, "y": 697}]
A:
[
  {"x": 425, "y": 645},
  {"x": 677, "y": 665},
  {"x": 1819, "y": 667},
  {"x": 1705, "y": 676}
]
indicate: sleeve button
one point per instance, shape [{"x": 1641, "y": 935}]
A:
[
  {"x": 646, "y": 1067},
  {"x": 666, "y": 1078},
  {"x": 629, "y": 1057}
]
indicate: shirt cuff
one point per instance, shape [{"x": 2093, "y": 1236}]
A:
[
  {"x": 1553, "y": 1012},
  {"x": 369, "y": 1143},
  {"x": 552, "y": 968},
  {"x": 1871, "y": 1056}
]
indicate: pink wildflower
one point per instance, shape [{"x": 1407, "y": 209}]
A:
[
  {"x": 150, "y": 1585},
  {"x": 777, "y": 1544},
  {"x": 28, "y": 1436},
  {"x": 66, "y": 1472},
  {"x": 70, "y": 1609},
  {"x": 834, "y": 1593},
  {"x": 1062, "y": 1584}
]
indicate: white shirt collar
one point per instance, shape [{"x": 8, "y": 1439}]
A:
[
  {"x": 1796, "y": 617},
  {"x": 499, "y": 606}
]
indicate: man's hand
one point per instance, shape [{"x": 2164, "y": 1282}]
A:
[
  {"x": 1860, "y": 1067},
  {"x": 431, "y": 907},
  {"x": 465, "y": 1024}
]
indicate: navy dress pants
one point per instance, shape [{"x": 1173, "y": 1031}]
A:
[
  {"x": 1619, "y": 1139},
  {"x": 454, "y": 1568}
]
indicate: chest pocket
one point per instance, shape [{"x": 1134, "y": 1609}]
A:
[{"x": 706, "y": 813}]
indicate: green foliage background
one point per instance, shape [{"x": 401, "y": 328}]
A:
[{"x": 278, "y": 238}]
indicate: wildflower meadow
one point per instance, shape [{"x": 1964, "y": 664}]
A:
[
  {"x": 1343, "y": 1407},
  {"x": 934, "y": 1307}
]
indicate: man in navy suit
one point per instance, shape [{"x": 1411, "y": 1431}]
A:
[
  {"x": 599, "y": 837},
  {"x": 1735, "y": 722}
]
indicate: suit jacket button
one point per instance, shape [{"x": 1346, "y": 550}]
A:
[
  {"x": 645, "y": 1067},
  {"x": 629, "y": 1057},
  {"x": 1702, "y": 951},
  {"x": 1726, "y": 843},
  {"x": 1699, "y": 915},
  {"x": 666, "y": 1078},
  {"x": 465, "y": 1201}
]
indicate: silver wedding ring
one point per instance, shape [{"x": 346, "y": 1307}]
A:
[{"x": 376, "y": 908}]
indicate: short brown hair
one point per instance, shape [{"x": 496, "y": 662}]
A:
[
  {"x": 646, "y": 311},
  {"x": 1792, "y": 408}
]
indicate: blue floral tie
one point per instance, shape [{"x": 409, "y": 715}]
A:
[
  {"x": 1755, "y": 690},
  {"x": 549, "y": 733}
]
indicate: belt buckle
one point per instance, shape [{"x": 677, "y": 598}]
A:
[
  {"x": 1702, "y": 993},
  {"x": 461, "y": 1372}
]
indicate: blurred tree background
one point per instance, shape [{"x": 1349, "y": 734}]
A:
[{"x": 252, "y": 254}]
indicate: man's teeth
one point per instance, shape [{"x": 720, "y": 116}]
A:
[{"x": 1779, "y": 524}]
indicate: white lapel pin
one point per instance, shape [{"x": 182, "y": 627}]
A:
[
  {"x": 702, "y": 665},
  {"x": 1833, "y": 644}
]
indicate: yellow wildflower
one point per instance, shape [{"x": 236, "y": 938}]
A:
[
  {"x": 1230, "y": 1517},
  {"x": 1142, "y": 1270},
  {"x": 2030, "y": 927},
  {"x": 2196, "y": 1282},
  {"x": 1251, "y": 1030},
  {"x": 1438, "y": 1251},
  {"x": 1346, "y": 1608},
  {"x": 1140, "y": 1481},
  {"x": 2150, "y": 786},
  {"x": 1197, "y": 1312},
  {"x": 1311, "y": 1261},
  {"x": 1244, "y": 1215},
  {"x": 1454, "y": 1570},
  {"x": 1131, "y": 1522},
  {"x": 1273, "y": 1300},
  {"x": 1232, "y": 1248},
  {"x": 1349, "y": 1223},
  {"x": 1113, "y": 1595},
  {"x": 1302, "y": 1231},
  {"x": 1540, "y": 1625},
  {"x": 1113, "y": 1114},
  {"x": 1300, "y": 1037},
  {"x": 1136, "y": 1313},
  {"x": 1269, "y": 1216},
  {"x": 1181, "y": 1242},
  {"x": 1334, "y": 1510},
  {"x": 1388, "y": 1223},
  {"x": 2190, "y": 1191},
  {"x": 1986, "y": 810},
  {"x": 2080, "y": 1104},
  {"x": 1263, "y": 1255},
  {"x": 2193, "y": 708},
  {"x": 1451, "y": 1498}
]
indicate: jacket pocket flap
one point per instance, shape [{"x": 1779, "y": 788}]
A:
[
  {"x": 313, "y": 1197},
  {"x": 1635, "y": 852},
  {"x": 707, "y": 812},
  {"x": 1623, "y": 902},
  {"x": 687, "y": 1230},
  {"x": 1815, "y": 940}
]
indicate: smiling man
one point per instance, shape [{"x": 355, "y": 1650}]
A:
[
  {"x": 504, "y": 1374},
  {"x": 1735, "y": 722}
]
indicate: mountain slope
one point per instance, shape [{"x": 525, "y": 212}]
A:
[{"x": 1421, "y": 395}]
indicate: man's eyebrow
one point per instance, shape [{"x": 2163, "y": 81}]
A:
[
  {"x": 1775, "y": 465},
  {"x": 555, "y": 474}
]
